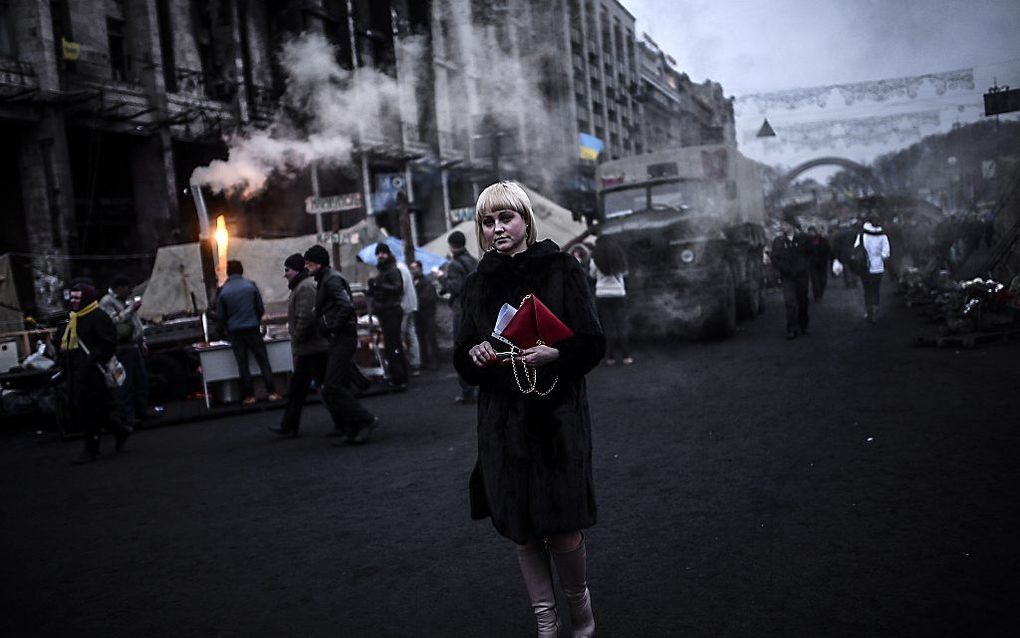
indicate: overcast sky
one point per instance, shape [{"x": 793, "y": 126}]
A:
[
  {"x": 760, "y": 46},
  {"x": 753, "y": 46}
]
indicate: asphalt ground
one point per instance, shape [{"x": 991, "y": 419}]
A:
[{"x": 841, "y": 484}]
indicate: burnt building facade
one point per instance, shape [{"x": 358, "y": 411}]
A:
[
  {"x": 108, "y": 106},
  {"x": 675, "y": 111}
]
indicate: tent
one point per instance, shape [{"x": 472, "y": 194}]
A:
[
  {"x": 429, "y": 260},
  {"x": 176, "y": 286},
  {"x": 554, "y": 222}
]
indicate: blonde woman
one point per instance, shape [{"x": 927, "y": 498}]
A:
[{"x": 533, "y": 473}]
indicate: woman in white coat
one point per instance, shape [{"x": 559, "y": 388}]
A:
[{"x": 876, "y": 244}]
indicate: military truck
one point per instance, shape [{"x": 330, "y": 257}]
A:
[{"x": 691, "y": 221}]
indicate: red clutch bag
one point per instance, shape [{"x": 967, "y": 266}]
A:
[{"x": 535, "y": 324}]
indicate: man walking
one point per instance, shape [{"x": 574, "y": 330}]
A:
[
  {"x": 461, "y": 265},
  {"x": 387, "y": 292},
  {"x": 425, "y": 317},
  {"x": 790, "y": 258},
  {"x": 309, "y": 347},
  {"x": 337, "y": 321},
  {"x": 133, "y": 396},
  {"x": 239, "y": 309}
]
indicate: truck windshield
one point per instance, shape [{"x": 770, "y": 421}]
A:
[
  {"x": 677, "y": 195},
  {"x": 624, "y": 202}
]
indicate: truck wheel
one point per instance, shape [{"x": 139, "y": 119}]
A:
[
  {"x": 723, "y": 323},
  {"x": 168, "y": 380}
]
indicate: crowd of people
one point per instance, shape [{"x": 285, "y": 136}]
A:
[{"x": 803, "y": 262}]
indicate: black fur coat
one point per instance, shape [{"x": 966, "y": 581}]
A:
[{"x": 533, "y": 474}]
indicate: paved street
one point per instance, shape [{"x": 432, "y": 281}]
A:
[{"x": 842, "y": 484}]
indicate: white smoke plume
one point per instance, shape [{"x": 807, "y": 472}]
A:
[
  {"x": 326, "y": 107},
  {"x": 331, "y": 100}
]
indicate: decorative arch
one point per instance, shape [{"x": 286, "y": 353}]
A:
[{"x": 862, "y": 171}]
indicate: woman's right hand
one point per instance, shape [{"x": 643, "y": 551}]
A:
[{"x": 483, "y": 354}]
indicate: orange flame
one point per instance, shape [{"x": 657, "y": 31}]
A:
[{"x": 222, "y": 238}]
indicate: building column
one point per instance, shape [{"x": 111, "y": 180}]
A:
[
  {"x": 48, "y": 200},
  {"x": 154, "y": 185}
]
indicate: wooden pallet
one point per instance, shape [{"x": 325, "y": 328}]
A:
[{"x": 967, "y": 340}]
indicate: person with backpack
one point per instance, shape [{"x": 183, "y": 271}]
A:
[{"x": 872, "y": 244}]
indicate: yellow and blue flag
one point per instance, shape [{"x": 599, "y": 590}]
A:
[{"x": 590, "y": 146}]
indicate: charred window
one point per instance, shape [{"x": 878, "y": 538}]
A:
[
  {"x": 214, "y": 37},
  {"x": 7, "y": 49},
  {"x": 60, "y": 16},
  {"x": 373, "y": 26},
  {"x": 338, "y": 31},
  {"x": 166, "y": 44},
  {"x": 119, "y": 67}
]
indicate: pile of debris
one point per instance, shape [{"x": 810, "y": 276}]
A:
[{"x": 963, "y": 312}]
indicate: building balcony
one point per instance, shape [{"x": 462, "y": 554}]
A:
[
  {"x": 195, "y": 83},
  {"x": 414, "y": 144},
  {"x": 197, "y": 118},
  {"x": 264, "y": 101},
  {"x": 17, "y": 80},
  {"x": 451, "y": 147}
]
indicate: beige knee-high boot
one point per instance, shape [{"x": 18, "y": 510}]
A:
[
  {"x": 572, "y": 568},
  {"x": 538, "y": 579}
]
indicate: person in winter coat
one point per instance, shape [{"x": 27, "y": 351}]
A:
[
  {"x": 876, "y": 243},
  {"x": 387, "y": 292},
  {"x": 461, "y": 264},
  {"x": 309, "y": 347},
  {"x": 608, "y": 266},
  {"x": 337, "y": 322},
  {"x": 239, "y": 308},
  {"x": 790, "y": 254},
  {"x": 88, "y": 342},
  {"x": 533, "y": 475}
]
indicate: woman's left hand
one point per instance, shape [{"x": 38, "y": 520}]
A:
[{"x": 539, "y": 356}]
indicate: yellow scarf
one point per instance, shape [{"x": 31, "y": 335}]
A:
[{"x": 70, "y": 339}]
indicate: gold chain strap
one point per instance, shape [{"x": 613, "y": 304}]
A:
[{"x": 531, "y": 376}]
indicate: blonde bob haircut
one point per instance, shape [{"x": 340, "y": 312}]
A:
[{"x": 505, "y": 195}]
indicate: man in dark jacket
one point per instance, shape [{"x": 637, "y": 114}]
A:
[
  {"x": 87, "y": 344},
  {"x": 387, "y": 292},
  {"x": 425, "y": 317},
  {"x": 309, "y": 347},
  {"x": 337, "y": 321},
  {"x": 790, "y": 257},
  {"x": 239, "y": 309},
  {"x": 820, "y": 261},
  {"x": 461, "y": 264}
]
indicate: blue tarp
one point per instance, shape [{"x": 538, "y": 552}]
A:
[{"x": 428, "y": 260}]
